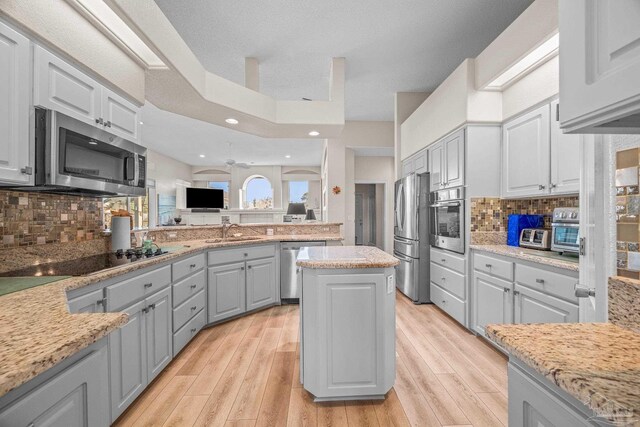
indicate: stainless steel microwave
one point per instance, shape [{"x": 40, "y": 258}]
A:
[{"x": 75, "y": 157}]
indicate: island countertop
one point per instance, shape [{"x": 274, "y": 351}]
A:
[
  {"x": 597, "y": 363},
  {"x": 336, "y": 257}
]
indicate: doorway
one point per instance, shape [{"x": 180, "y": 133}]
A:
[{"x": 369, "y": 214}]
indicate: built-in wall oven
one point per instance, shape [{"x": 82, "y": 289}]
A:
[
  {"x": 75, "y": 157},
  {"x": 447, "y": 219}
]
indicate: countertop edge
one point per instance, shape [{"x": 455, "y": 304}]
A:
[{"x": 553, "y": 262}]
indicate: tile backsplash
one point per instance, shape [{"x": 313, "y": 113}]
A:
[
  {"x": 628, "y": 213},
  {"x": 29, "y": 218},
  {"x": 492, "y": 214}
]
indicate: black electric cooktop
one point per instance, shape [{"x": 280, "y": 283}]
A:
[{"x": 85, "y": 265}]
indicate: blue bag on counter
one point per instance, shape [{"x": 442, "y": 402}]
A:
[{"x": 517, "y": 222}]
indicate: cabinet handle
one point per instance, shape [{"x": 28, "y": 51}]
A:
[
  {"x": 507, "y": 290},
  {"x": 148, "y": 285},
  {"x": 102, "y": 302},
  {"x": 192, "y": 266},
  {"x": 515, "y": 293},
  {"x": 246, "y": 254},
  {"x": 552, "y": 186},
  {"x": 249, "y": 267},
  {"x": 145, "y": 310},
  {"x": 444, "y": 278},
  {"x": 194, "y": 307},
  {"x": 193, "y": 330},
  {"x": 443, "y": 260},
  {"x": 488, "y": 265},
  {"x": 193, "y": 286},
  {"x": 539, "y": 280},
  {"x": 152, "y": 306},
  {"x": 541, "y": 187},
  {"x": 242, "y": 268},
  {"x": 108, "y": 123},
  {"x": 444, "y": 301},
  {"x": 27, "y": 170},
  {"x": 99, "y": 120}
]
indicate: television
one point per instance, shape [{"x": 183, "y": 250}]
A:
[{"x": 205, "y": 198}]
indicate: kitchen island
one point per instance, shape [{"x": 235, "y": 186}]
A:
[{"x": 347, "y": 315}]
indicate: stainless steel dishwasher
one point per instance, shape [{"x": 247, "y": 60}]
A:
[{"x": 289, "y": 291}]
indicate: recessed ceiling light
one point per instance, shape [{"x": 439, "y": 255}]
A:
[
  {"x": 288, "y": 156},
  {"x": 314, "y": 133},
  {"x": 92, "y": 142},
  {"x": 202, "y": 155},
  {"x": 231, "y": 121}
]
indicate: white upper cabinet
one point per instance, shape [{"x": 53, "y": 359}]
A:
[
  {"x": 61, "y": 87},
  {"x": 565, "y": 158},
  {"x": 436, "y": 155},
  {"x": 415, "y": 164},
  {"x": 15, "y": 165},
  {"x": 525, "y": 154},
  {"x": 120, "y": 116},
  {"x": 454, "y": 159},
  {"x": 600, "y": 66}
]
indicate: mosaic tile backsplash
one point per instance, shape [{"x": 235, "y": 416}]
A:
[
  {"x": 492, "y": 214},
  {"x": 35, "y": 218},
  {"x": 628, "y": 213}
]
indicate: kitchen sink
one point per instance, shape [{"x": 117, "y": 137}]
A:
[{"x": 233, "y": 239}]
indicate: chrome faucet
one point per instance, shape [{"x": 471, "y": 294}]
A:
[{"x": 226, "y": 227}]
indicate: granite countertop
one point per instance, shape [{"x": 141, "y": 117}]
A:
[
  {"x": 247, "y": 224},
  {"x": 542, "y": 257},
  {"x": 37, "y": 331},
  {"x": 597, "y": 363},
  {"x": 335, "y": 257}
]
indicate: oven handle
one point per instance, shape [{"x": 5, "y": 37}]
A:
[
  {"x": 444, "y": 204},
  {"x": 565, "y": 224}
]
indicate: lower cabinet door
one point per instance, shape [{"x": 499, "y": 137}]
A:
[
  {"x": 128, "y": 359},
  {"x": 535, "y": 307},
  {"x": 76, "y": 397},
  {"x": 493, "y": 302},
  {"x": 159, "y": 332},
  {"x": 226, "y": 288},
  {"x": 261, "y": 283}
]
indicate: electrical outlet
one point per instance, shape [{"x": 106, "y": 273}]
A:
[{"x": 390, "y": 285}]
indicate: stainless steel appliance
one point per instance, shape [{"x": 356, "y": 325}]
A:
[
  {"x": 289, "y": 290},
  {"x": 411, "y": 237},
  {"x": 535, "y": 238},
  {"x": 447, "y": 219},
  {"x": 74, "y": 157},
  {"x": 565, "y": 225}
]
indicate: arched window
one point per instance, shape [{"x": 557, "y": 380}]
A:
[{"x": 257, "y": 193}]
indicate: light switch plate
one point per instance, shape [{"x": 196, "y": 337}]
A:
[{"x": 390, "y": 285}]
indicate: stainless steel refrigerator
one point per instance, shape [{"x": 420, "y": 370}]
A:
[{"x": 411, "y": 236}]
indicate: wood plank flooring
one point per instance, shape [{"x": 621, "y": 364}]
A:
[{"x": 245, "y": 373}]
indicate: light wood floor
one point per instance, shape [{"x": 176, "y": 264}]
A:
[{"x": 245, "y": 373}]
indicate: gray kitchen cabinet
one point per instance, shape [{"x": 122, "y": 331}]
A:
[
  {"x": 92, "y": 302},
  {"x": 78, "y": 396},
  {"x": 159, "y": 332},
  {"x": 348, "y": 333},
  {"x": 446, "y": 161},
  {"x": 261, "y": 283},
  {"x": 537, "y": 307},
  {"x": 448, "y": 283},
  {"x": 525, "y": 154},
  {"x": 453, "y": 159},
  {"x": 226, "y": 291},
  {"x": 600, "y": 66},
  {"x": 493, "y": 301},
  {"x": 535, "y": 402},
  {"x": 140, "y": 349},
  {"x": 128, "y": 359},
  {"x": 15, "y": 92},
  {"x": 122, "y": 117},
  {"x": 565, "y": 157},
  {"x": 416, "y": 163}
]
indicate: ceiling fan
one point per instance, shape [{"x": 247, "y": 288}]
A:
[{"x": 232, "y": 163}]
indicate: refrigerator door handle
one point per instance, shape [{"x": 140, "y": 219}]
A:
[
  {"x": 403, "y": 257},
  {"x": 399, "y": 206}
]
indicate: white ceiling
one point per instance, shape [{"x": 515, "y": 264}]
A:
[
  {"x": 184, "y": 139},
  {"x": 389, "y": 45}
]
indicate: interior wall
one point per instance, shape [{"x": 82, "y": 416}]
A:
[
  {"x": 171, "y": 176},
  {"x": 541, "y": 84},
  {"x": 405, "y": 104},
  {"x": 60, "y": 27}
]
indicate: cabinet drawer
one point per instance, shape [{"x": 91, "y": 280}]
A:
[
  {"x": 128, "y": 291},
  {"x": 449, "y": 280},
  {"x": 183, "y": 313},
  {"x": 447, "y": 259},
  {"x": 188, "y": 287},
  {"x": 448, "y": 303},
  {"x": 188, "y": 331},
  {"x": 187, "y": 266},
  {"x": 226, "y": 256},
  {"x": 493, "y": 266},
  {"x": 547, "y": 282},
  {"x": 87, "y": 303}
]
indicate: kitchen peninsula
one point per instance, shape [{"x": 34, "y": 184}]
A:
[{"x": 347, "y": 344}]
